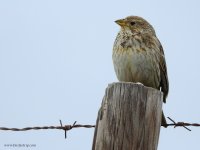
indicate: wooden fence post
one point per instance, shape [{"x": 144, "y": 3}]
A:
[{"x": 129, "y": 118}]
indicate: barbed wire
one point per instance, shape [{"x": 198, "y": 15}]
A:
[
  {"x": 181, "y": 124},
  {"x": 74, "y": 125},
  {"x": 61, "y": 127}
]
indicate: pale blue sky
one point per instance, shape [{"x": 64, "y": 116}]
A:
[{"x": 55, "y": 63}]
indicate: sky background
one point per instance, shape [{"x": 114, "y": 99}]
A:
[{"x": 56, "y": 61}]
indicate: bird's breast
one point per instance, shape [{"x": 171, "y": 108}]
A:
[{"x": 133, "y": 62}]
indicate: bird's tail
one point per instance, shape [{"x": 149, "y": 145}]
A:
[{"x": 163, "y": 122}]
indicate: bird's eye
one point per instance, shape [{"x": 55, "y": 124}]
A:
[{"x": 132, "y": 23}]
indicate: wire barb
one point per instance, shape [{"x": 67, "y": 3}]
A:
[{"x": 181, "y": 124}]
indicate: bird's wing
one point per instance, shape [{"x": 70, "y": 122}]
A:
[{"x": 164, "y": 84}]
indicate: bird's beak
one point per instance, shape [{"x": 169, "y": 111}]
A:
[{"x": 121, "y": 22}]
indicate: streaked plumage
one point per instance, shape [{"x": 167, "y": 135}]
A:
[{"x": 138, "y": 55}]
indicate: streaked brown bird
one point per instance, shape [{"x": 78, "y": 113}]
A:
[{"x": 138, "y": 55}]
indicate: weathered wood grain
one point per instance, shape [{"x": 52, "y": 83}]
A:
[{"x": 129, "y": 118}]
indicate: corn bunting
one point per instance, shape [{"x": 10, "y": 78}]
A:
[{"x": 138, "y": 55}]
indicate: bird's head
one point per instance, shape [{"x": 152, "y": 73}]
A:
[{"x": 135, "y": 25}]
